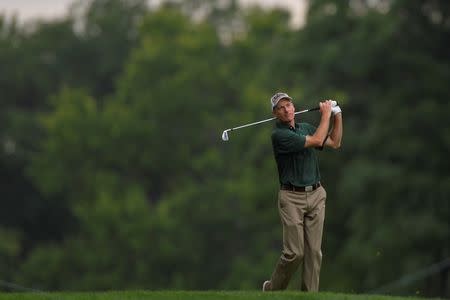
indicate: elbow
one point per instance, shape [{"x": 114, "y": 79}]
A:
[
  {"x": 334, "y": 143},
  {"x": 337, "y": 145}
]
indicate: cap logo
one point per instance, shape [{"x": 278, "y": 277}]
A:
[{"x": 277, "y": 97}]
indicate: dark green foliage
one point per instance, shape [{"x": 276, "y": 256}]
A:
[{"x": 114, "y": 175}]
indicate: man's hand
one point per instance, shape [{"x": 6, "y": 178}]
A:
[
  {"x": 325, "y": 108},
  {"x": 336, "y": 110}
]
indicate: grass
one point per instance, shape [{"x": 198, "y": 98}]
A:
[{"x": 191, "y": 295}]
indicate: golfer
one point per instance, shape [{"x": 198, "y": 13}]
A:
[{"x": 301, "y": 199}]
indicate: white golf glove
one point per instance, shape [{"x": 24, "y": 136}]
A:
[{"x": 336, "y": 110}]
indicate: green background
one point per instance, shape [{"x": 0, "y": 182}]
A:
[{"x": 114, "y": 175}]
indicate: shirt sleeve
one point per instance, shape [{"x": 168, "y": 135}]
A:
[{"x": 288, "y": 142}]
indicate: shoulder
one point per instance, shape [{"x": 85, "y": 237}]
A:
[
  {"x": 280, "y": 133},
  {"x": 276, "y": 132}
]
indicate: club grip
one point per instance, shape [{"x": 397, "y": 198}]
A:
[{"x": 333, "y": 104}]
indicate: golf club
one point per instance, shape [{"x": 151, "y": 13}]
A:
[{"x": 225, "y": 132}]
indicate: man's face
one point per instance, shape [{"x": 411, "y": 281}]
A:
[{"x": 284, "y": 110}]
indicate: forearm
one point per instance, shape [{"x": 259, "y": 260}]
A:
[
  {"x": 336, "y": 132},
  {"x": 321, "y": 131},
  {"x": 319, "y": 136}
]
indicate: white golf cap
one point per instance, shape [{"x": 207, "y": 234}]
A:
[{"x": 277, "y": 97}]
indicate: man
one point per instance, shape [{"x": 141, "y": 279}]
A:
[{"x": 301, "y": 199}]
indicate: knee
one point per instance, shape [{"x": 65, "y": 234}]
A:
[
  {"x": 317, "y": 254},
  {"x": 293, "y": 257}
]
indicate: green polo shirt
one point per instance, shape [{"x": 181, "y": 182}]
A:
[{"x": 296, "y": 164}]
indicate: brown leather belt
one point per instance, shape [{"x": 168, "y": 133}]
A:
[{"x": 293, "y": 188}]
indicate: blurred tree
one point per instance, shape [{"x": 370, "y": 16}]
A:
[
  {"x": 37, "y": 63},
  {"x": 107, "y": 31},
  {"x": 9, "y": 252},
  {"x": 169, "y": 96},
  {"x": 23, "y": 95},
  {"x": 117, "y": 162},
  {"x": 120, "y": 138}
]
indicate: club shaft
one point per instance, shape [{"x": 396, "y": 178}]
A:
[{"x": 271, "y": 119}]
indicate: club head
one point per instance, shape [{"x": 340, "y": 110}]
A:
[{"x": 225, "y": 135}]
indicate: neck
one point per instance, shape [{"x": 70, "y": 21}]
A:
[{"x": 290, "y": 123}]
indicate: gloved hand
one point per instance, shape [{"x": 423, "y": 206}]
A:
[{"x": 336, "y": 110}]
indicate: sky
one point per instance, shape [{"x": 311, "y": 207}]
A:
[{"x": 29, "y": 9}]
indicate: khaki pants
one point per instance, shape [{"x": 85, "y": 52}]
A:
[{"x": 302, "y": 215}]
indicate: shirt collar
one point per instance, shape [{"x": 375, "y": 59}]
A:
[{"x": 280, "y": 124}]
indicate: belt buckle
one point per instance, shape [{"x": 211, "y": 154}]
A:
[{"x": 308, "y": 188}]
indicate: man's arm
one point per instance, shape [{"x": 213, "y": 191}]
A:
[
  {"x": 317, "y": 139},
  {"x": 334, "y": 140}
]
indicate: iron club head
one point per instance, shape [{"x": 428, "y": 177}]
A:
[{"x": 225, "y": 135}]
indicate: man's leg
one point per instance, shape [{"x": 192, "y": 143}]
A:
[
  {"x": 291, "y": 206},
  {"x": 314, "y": 220}
]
